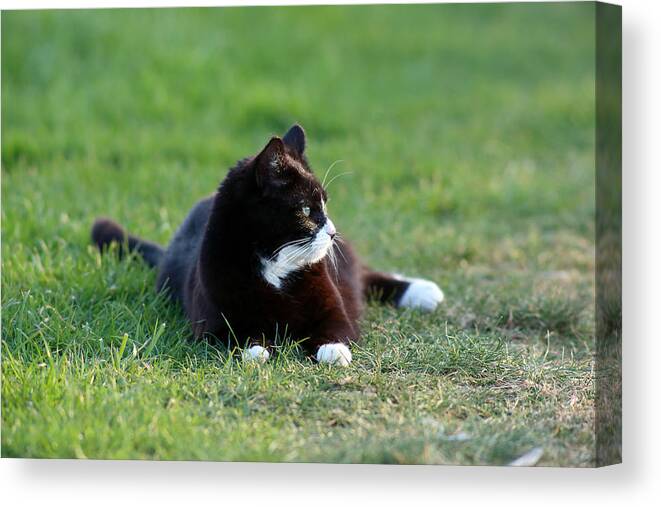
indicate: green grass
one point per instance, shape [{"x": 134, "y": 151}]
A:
[{"x": 468, "y": 132}]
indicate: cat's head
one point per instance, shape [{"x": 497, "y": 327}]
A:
[{"x": 289, "y": 204}]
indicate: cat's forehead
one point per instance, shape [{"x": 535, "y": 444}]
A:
[
  {"x": 314, "y": 187},
  {"x": 305, "y": 184},
  {"x": 308, "y": 188}
]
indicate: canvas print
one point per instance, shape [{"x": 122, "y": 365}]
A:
[{"x": 382, "y": 234}]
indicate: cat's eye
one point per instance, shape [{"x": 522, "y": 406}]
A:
[{"x": 306, "y": 211}]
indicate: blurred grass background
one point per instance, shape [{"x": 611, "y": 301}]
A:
[{"x": 467, "y": 132}]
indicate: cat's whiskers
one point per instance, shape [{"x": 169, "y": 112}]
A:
[
  {"x": 299, "y": 241},
  {"x": 336, "y": 243},
  {"x": 333, "y": 258},
  {"x": 290, "y": 256},
  {"x": 334, "y": 178},
  {"x": 296, "y": 254},
  {"x": 289, "y": 243},
  {"x": 330, "y": 167}
]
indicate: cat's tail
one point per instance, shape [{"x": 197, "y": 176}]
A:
[{"x": 105, "y": 232}]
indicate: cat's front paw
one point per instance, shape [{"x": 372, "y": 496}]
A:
[
  {"x": 422, "y": 294},
  {"x": 255, "y": 354},
  {"x": 337, "y": 354}
]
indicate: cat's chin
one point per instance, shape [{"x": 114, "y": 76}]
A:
[
  {"x": 319, "y": 247},
  {"x": 319, "y": 254}
]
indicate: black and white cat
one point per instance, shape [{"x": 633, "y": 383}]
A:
[{"x": 261, "y": 255}]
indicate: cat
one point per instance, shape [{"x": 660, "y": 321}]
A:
[{"x": 261, "y": 257}]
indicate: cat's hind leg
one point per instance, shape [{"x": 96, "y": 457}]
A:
[{"x": 402, "y": 291}]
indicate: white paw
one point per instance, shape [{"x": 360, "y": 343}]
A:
[
  {"x": 422, "y": 294},
  {"x": 255, "y": 354},
  {"x": 337, "y": 354}
]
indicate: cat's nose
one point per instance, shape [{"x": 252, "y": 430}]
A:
[{"x": 330, "y": 228}]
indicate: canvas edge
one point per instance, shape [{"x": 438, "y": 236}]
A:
[{"x": 608, "y": 234}]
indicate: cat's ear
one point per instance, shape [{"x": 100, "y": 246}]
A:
[
  {"x": 295, "y": 139},
  {"x": 269, "y": 164}
]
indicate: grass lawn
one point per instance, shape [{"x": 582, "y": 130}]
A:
[{"x": 468, "y": 135}]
